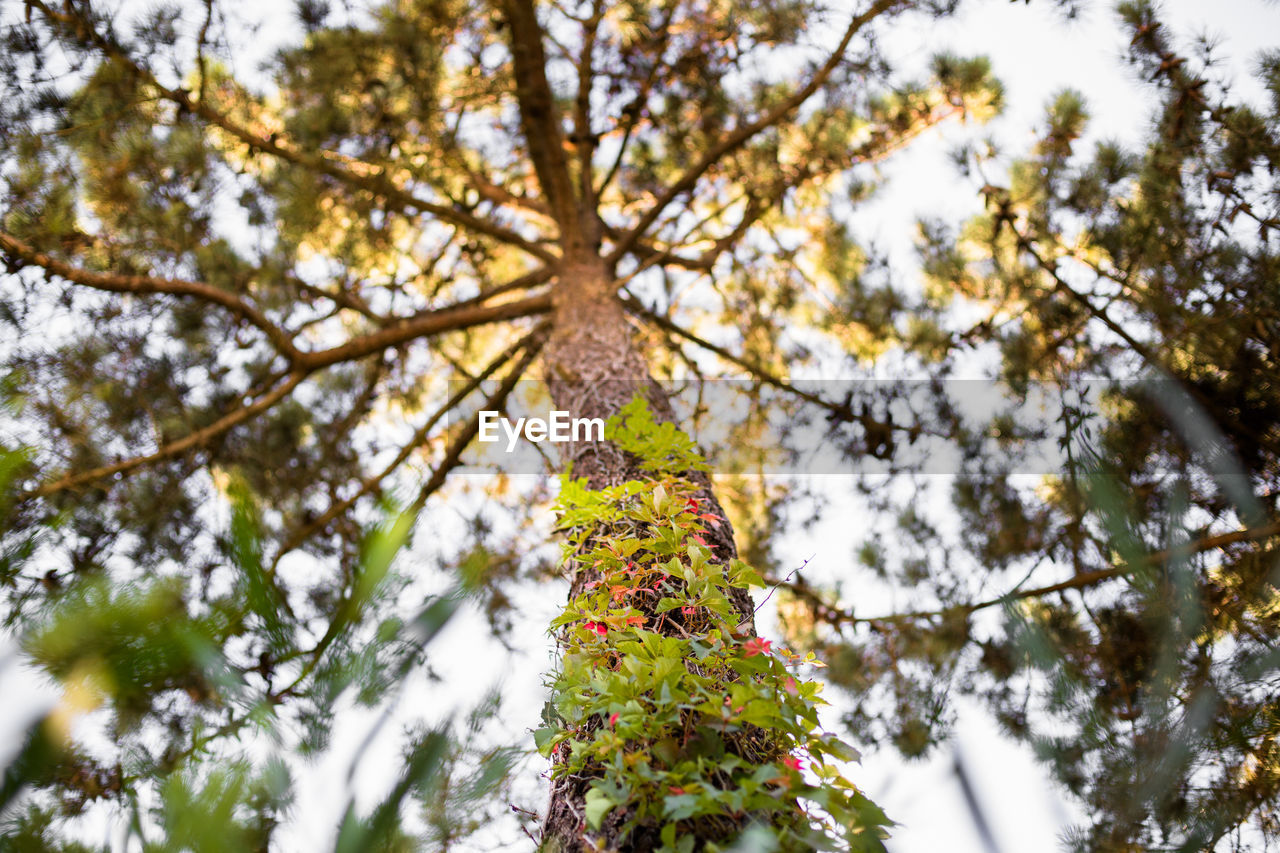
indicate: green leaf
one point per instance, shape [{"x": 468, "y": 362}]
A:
[
  {"x": 597, "y": 806},
  {"x": 542, "y": 738}
]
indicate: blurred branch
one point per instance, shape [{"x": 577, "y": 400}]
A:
[
  {"x": 634, "y": 109},
  {"x": 176, "y": 448},
  {"x": 529, "y": 279},
  {"x": 1060, "y": 284},
  {"x": 651, "y": 255},
  {"x": 342, "y": 299},
  {"x": 146, "y": 285},
  {"x": 452, "y": 318},
  {"x": 836, "y": 616},
  {"x": 348, "y": 170},
  {"x": 744, "y": 134}
]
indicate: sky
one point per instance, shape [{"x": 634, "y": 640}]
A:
[{"x": 1035, "y": 53}]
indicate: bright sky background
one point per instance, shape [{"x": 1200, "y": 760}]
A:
[{"x": 1035, "y": 53}]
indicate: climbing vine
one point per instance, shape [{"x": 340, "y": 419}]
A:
[{"x": 683, "y": 725}]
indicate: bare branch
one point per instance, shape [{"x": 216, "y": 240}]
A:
[
  {"x": 342, "y": 299},
  {"x": 428, "y": 323},
  {"x": 372, "y": 482},
  {"x": 500, "y": 195},
  {"x": 495, "y": 401},
  {"x": 706, "y": 260},
  {"x": 531, "y": 279}
]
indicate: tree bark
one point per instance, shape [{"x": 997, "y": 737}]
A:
[{"x": 593, "y": 368}]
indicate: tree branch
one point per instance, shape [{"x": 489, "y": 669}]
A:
[
  {"x": 452, "y": 457},
  {"x": 175, "y": 448},
  {"x": 373, "y": 481},
  {"x": 764, "y": 375},
  {"x": 451, "y": 319},
  {"x": 427, "y": 323},
  {"x": 146, "y": 285},
  {"x": 530, "y": 279},
  {"x": 304, "y": 364},
  {"x": 744, "y": 134},
  {"x": 1049, "y": 267},
  {"x": 1083, "y": 580},
  {"x": 495, "y": 401},
  {"x": 585, "y": 141},
  {"x": 348, "y": 170},
  {"x": 540, "y": 120}
]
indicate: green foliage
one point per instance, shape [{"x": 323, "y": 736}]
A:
[
  {"x": 1106, "y": 616},
  {"x": 137, "y": 650},
  {"x": 679, "y": 719},
  {"x": 133, "y": 646},
  {"x": 37, "y": 833},
  {"x": 660, "y": 447},
  {"x": 243, "y": 804},
  {"x": 230, "y": 295}
]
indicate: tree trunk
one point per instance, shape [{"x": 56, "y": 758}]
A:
[{"x": 593, "y": 369}]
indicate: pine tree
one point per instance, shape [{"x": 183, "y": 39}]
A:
[
  {"x": 1138, "y": 583},
  {"x": 220, "y": 285}
]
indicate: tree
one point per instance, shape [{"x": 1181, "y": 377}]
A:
[
  {"x": 419, "y": 187},
  {"x": 1138, "y": 584},
  {"x": 236, "y": 299}
]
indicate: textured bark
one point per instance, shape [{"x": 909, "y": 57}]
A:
[{"x": 593, "y": 369}]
